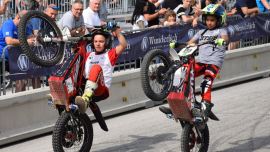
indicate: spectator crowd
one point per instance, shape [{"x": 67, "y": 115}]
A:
[{"x": 147, "y": 14}]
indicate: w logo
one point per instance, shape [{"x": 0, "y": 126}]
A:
[
  {"x": 23, "y": 62},
  {"x": 145, "y": 44},
  {"x": 267, "y": 26}
]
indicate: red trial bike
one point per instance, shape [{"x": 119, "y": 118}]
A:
[
  {"x": 73, "y": 131},
  {"x": 170, "y": 76}
]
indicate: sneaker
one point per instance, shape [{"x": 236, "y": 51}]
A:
[{"x": 82, "y": 103}]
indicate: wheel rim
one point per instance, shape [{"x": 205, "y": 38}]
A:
[
  {"x": 194, "y": 141},
  {"x": 158, "y": 66},
  {"x": 43, "y": 27},
  {"x": 73, "y": 136},
  {"x": 40, "y": 47}
]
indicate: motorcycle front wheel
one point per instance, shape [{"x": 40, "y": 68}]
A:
[
  {"x": 39, "y": 26},
  {"x": 72, "y": 132},
  {"x": 191, "y": 141},
  {"x": 155, "y": 64}
]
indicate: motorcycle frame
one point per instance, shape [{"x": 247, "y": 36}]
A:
[
  {"x": 76, "y": 60},
  {"x": 182, "y": 96}
]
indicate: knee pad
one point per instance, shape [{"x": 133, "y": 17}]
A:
[
  {"x": 205, "y": 85},
  {"x": 90, "y": 86}
]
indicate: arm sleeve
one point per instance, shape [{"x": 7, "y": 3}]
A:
[
  {"x": 197, "y": 35},
  {"x": 180, "y": 12},
  {"x": 68, "y": 21},
  {"x": 113, "y": 56},
  {"x": 223, "y": 32},
  {"x": 7, "y": 30},
  {"x": 242, "y": 3}
]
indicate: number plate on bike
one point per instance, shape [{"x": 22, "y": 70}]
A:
[{"x": 187, "y": 51}]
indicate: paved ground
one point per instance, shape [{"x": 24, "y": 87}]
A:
[{"x": 244, "y": 111}]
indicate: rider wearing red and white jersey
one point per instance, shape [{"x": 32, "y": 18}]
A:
[{"x": 99, "y": 67}]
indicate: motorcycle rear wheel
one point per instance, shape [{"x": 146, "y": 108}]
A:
[
  {"x": 190, "y": 141},
  {"x": 155, "y": 63},
  {"x": 72, "y": 132},
  {"x": 41, "y": 53}
]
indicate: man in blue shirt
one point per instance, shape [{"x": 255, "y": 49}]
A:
[
  {"x": 263, "y": 5},
  {"x": 9, "y": 36},
  {"x": 9, "y": 33}
]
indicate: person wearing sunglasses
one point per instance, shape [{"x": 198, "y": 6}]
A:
[{"x": 73, "y": 19}]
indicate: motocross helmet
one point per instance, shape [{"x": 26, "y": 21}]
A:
[
  {"x": 106, "y": 34},
  {"x": 214, "y": 10}
]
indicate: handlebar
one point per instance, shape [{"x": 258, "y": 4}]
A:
[
  {"x": 85, "y": 37},
  {"x": 66, "y": 39}
]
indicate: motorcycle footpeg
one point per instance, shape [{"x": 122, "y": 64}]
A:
[{"x": 213, "y": 116}]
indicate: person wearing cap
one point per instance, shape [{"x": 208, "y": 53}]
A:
[{"x": 51, "y": 11}]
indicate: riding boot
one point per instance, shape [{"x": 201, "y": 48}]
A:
[
  {"x": 83, "y": 101},
  {"x": 197, "y": 112}
]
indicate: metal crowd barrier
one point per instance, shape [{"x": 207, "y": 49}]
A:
[
  {"x": 3, "y": 78},
  {"x": 7, "y": 84}
]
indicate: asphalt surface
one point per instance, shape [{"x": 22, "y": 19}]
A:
[{"x": 243, "y": 109}]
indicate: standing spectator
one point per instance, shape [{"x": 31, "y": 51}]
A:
[
  {"x": 73, "y": 19},
  {"x": 152, "y": 14},
  {"x": 38, "y": 24},
  {"x": 171, "y": 4},
  {"x": 263, "y": 5},
  {"x": 137, "y": 20},
  {"x": 170, "y": 18},
  {"x": 51, "y": 11},
  {"x": 91, "y": 16},
  {"x": 246, "y": 7},
  {"x": 184, "y": 12},
  {"x": 9, "y": 36},
  {"x": 3, "y": 7}
]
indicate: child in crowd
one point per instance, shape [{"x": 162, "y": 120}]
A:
[{"x": 170, "y": 18}]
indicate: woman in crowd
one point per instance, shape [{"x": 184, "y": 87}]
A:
[{"x": 137, "y": 20}]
